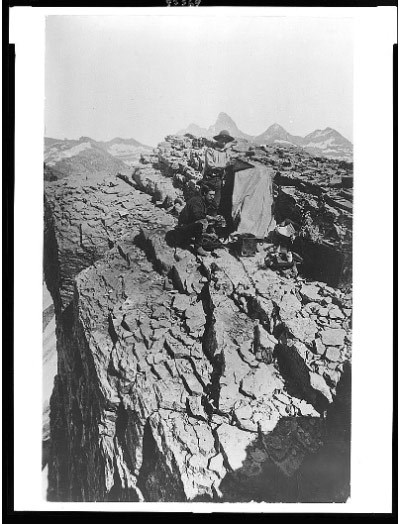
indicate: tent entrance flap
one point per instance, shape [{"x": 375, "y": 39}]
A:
[{"x": 252, "y": 201}]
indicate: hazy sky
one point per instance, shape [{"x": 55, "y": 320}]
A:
[{"x": 144, "y": 77}]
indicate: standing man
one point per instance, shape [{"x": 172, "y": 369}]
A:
[{"x": 216, "y": 160}]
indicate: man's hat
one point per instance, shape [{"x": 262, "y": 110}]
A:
[{"x": 223, "y": 136}]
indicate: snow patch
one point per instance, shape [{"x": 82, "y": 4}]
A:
[
  {"x": 280, "y": 141},
  {"x": 321, "y": 145}
]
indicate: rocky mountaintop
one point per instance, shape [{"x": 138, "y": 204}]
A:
[
  {"x": 328, "y": 142},
  {"x": 183, "y": 378}
]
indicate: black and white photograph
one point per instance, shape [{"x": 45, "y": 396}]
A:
[{"x": 197, "y": 265}]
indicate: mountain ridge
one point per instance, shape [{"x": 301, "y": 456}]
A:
[
  {"x": 64, "y": 157},
  {"x": 50, "y": 140},
  {"x": 326, "y": 142}
]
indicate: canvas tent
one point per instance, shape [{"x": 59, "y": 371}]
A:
[{"x": 252, "y": 199}]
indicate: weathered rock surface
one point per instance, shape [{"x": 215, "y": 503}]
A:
[{"x": 179, "y": 379}]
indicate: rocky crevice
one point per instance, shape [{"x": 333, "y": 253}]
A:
[{"x": 171, "y": 383}]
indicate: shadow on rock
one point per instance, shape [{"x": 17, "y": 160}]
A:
[
  {"x": 297, "y": 378},
  {"x": 304, "y": 459},
  {"x": 171, "y": 238}
]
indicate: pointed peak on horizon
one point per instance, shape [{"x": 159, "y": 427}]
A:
[
  {"x": 224, "y": 117},
  {"x": 275, "y": 125},
  {"x": 225, "y": 122}
]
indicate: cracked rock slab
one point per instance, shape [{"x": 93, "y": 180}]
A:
[
  {"x": 234, "y": 444},
  {"x": 261, "y": 382}
]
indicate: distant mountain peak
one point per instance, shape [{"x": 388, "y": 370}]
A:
[
  {"x": 275, "y": 126},
  {"x": 224, "y": 119},
  {"x": 225, "y": 122},
  {"x": 276, "y": 132},
  {"x": 224, "y": 116}
]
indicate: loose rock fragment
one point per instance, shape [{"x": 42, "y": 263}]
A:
[
  {"x": 333, "y": 337},
  {"x": 303, "y": 329},
  {"x": 333, "y": 354},
  {"x": 310, "y": 293},
  {"x": 319, "y": 346},
  {"x": 318, "y": 383},
  {"x": 289, "y": 306},
  {"x": 196, "y": 408}
]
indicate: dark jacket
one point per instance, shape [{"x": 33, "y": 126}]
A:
[{"x": 195, "y": 209}]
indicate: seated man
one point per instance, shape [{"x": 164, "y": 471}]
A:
[{"x": 195, "y": 218}]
